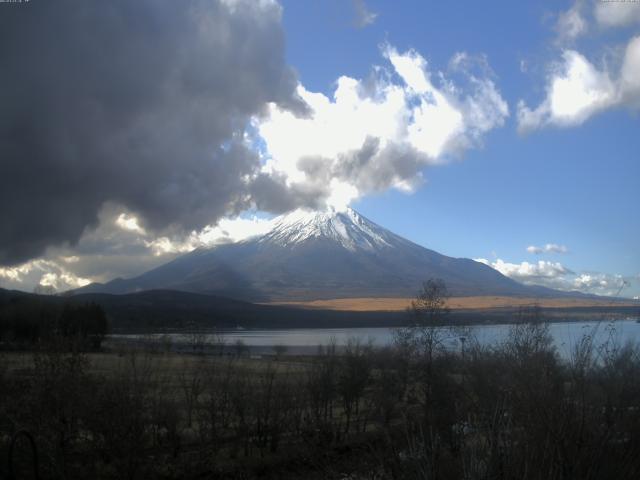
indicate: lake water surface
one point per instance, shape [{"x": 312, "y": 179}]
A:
[{"x": 306, "y": 340}]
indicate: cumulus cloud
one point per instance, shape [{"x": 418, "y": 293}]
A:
[
  {"x": 576, "y": 90},
  {"x": 571, "y": 24},
  {"x": 598, "y": 281},
  {"x": 617, "y": 14},
  {"x": 604, "y": 14},
  {"x": 120, "y": 237},
  {"x": 528, "y": 272},
  {"x": 129, "y": 222},
  {"x": 183, "y": 113},
  {"x": 139, "y": 103},
  {"x": 557, "y": 276},
  {"x": 46, "y": 273},
  {"x": 380, "y": 132},
  {"x": 630, "y": 75},
  {"x": 363, "y": 16},
  {"x": 578, "y": 87},
  {"x": 134, "y": 131},
  {"x": 227, "y": 230},
  {"x": 548, "y": 248},
  {"x": 119, "y": 247}
]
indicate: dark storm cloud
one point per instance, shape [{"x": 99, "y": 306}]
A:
[
  {"x": 271, "y": 193},
  {"x": 374, "y": 168},
  {"x": 371, "y": 168},
  {"x": 140, "y": 103}
]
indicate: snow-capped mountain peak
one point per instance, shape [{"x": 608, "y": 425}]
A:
[
  {"x": 319, "y": 255},
  {"x": 348, "y": 228}
]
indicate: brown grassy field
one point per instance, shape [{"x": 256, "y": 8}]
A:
[{"x": 390, "y": 304}]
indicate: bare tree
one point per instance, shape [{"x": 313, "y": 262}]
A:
[
  {"x": 529, "y": 336},
  {"x": 353, "y": 377},
  {"x": 197, "y": 340},
  {"x": 428, "y": 311},
  {"x": 240, "y": 348},
  {"x": 429, "y": 308},
  {"x": 191, "y": 384},
  {"x": 218, "y": 341},
  {"x": 217, "y": 408},
  {"x": 279, "y": 351}
]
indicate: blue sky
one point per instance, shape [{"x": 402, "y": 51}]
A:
[{"x": 576, "y": 186}]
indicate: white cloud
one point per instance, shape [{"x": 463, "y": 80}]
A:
[
  {"x": 605, "y": 13},
  {"x": 62, "y": 280},
  {"x": 363, "y": 16},
  {"x": 586, "y": 280},
  {"x": 227, "y": 230},
  {"x": 120, "y": 247},
  {"x": 548, "y": 248},
  {"x": 70, "y": 259},
  {"x": 630, "y": 74},
  {"x": 381, "y": 132},
  {"x": 41, "y": 272},
  {"x": 578, "y": 88},
  {"x": 528, "y": 272},
  {"x": 602, "y": 283},
  {"x": 557, "y": 276},
  {"x": 617, "y": 14},
  {"x": 575, "y": 91},
  {"x": 129, "y": 222},
  {"x": 571, "y": 24}
]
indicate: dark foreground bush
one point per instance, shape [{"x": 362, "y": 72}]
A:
[{"x": 411, "y": 411}]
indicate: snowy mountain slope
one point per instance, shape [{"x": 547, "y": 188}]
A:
[
  {"x": 321, "y": 255},
  {"x": 348, "y": 229}
]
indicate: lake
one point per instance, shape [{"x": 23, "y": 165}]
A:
[{"x": 306, "y": 340}]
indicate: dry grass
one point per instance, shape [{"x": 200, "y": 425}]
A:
[
  {"x": 169, "y": 364},
  {"x": 390, "y": 304}
]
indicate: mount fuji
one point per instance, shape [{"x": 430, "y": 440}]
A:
[{"x": 320, "y": 255}]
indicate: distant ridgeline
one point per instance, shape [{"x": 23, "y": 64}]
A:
[
  {"x": 29, "y": 319},
  {"x": 30, "y": 316}
]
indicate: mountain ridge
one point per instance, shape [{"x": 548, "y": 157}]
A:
[{"x": 321, "y": 255}]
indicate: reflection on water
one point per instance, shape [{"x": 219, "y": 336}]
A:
[{"x": 306, "y": 340}]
